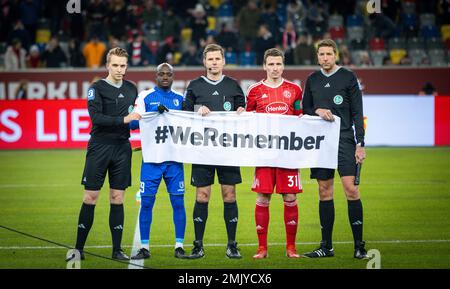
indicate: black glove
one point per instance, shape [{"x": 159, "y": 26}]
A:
[{"x": 162, "y": 108}]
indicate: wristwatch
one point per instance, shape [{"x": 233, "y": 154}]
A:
[{"x": 361, "y": 144}]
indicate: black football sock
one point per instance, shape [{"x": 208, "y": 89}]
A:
[
  {"x": 326, "y": 214},
  {"x": 116, "y": 218},
  {"x": 355, "y": 216},
  {"x": 200, "y": 216},
  {"x": 230, "y": 215},
  {"x": 85, "y": 221}
]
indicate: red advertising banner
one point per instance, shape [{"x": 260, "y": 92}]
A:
[
  {"x": 45, "y": 124},
  {"x": 73, "y": 84},
  {"x": 442, "y": 120}
]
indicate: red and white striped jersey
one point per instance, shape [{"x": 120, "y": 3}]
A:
[{"x": 282, "y": 99}]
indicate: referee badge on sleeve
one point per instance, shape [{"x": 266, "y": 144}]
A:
[{"x": 91, "y": 94}]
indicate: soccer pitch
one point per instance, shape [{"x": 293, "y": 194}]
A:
[{"x": 405, "y": 194}]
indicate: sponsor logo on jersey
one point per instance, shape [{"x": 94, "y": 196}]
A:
[
  {"x": 176, "y": 102},
  {"x": 277, "y": 107},
  {"x": 91, "y": 94},
  {"x": 264, "y": 96},
  {"x": 338, "y": 99},
  {"x": 287, "y": 94},
  {"x": 215, "y": 93},
  {"x": 227, "y": 105},
  {"x": 121, "y": 96},
  {"x": 327, "y": 85},
  {"x": 181, "y": 184}
]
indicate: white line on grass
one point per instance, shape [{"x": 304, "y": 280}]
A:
[{"x": 224, "y": 244}]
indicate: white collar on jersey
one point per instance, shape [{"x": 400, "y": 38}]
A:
[
  {"x": 273, "y": 86},
  {"x": 213, "y": 82},
  {"x": 331, "y": 73}
]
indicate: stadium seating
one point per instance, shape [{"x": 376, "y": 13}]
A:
[
  {"x": 247, "y": 59},
  {"x": 416, "y": 43},
  {"x": 445, "y": 32},
  {"x": 429, "y": 31},
  {"x": 335, "y": 20},
  {"x": 427, "y": 19},
  {"x": 417, "y": 56},
  {"x": 396, "y": 43},
  {"x": 377, "y": 43},
  {"x": 378, "y": 56},
  {"x": 337, "y": 33},
  {"x": 397, "y": 55},
  {"x": 355, "y": 32},
  {"x": 437, "y": 57}
]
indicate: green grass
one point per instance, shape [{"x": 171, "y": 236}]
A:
[{"x": 405, "y": 194}]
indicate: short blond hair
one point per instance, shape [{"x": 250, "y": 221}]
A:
[
  {"x": 118, "y": 51},
  {"x": 213, "y": 47}
]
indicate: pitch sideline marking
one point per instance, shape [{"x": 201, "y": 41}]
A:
[{"x": 220, "y": 245}]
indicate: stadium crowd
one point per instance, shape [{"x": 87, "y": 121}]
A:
[{"x": 42, "y": 33}]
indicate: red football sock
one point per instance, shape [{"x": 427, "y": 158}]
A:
[
  {"x": 262, "y": 222},
  {"x": 290, "y": 221}
]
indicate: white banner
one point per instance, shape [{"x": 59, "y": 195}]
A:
[{"x": 248, "y": 139}]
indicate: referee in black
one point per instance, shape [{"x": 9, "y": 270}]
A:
[
  {"x": 214, "y": 92},
  {"x": 334, "y": 90},
  {"x": 110, "y": 105}
]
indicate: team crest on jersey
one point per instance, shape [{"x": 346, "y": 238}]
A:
[
  {"x": 227, "y": 105},
  {"x": 287, "y": 94},
  {"x": 338, "y": 99},
  {"x": 91, "y": 94},
  {"x": 176, "y": 102}
]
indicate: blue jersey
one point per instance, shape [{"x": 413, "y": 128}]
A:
[
  {"x": 149, "y": 100},
  {"x": 151, "y": 173}
]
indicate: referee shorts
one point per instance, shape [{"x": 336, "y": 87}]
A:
[
  {"x": 203, "y": 175},
  {"x": 112, "y": 158},
  {"x": 346, "y": 161}
]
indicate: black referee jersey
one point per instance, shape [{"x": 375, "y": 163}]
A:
[
  {"x": 222, "y": 95},
  {"x": 108, "y": 104},
  {"x": 339, "y": 92}
]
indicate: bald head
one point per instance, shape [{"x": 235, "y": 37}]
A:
[{"x": 164, "y": 76}]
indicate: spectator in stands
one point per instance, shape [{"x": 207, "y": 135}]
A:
[
  {"x": 29, "y": 14},
  {"x": 9, "y": 15},
  {"x": 166, "y": 52},
  {"x": 248, "y": 21},
  {"x": 296, "y": 11},
  {"x": 96, "y": 15},
  {"x": 198, "y": 23},
  {"x": 317, "y": 19},
  {"x": 93, "y": 52},
  {"x": 22, "y": 90},
  {"x": 20, "y": 33},
  {"x": 53, "y": 55},
  {"x": 228, "y": 39},
  {"x": 34, "y": 57},
  {"x": 15, "y": 56},
  {"x": 170, "y": 25},
  {"x": 76, "y": 58},
  {"x": 117, "y": 18},
  {"x": 304, "y": 53},
  {"x": 263, "y": 42},
  {"x": 288, "y": 42},
  {"x": 191, "y": 57},
  {"x": 365, "y": 60},
  {"x": 270, "y": 18},
  {"x": 428, "y": 89},
  {"x": 381, "y": 26},
  {"x": 140, "y": 54},
  {"x": 152, "y": 15},
  {"x": 344, "y": 56}
]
